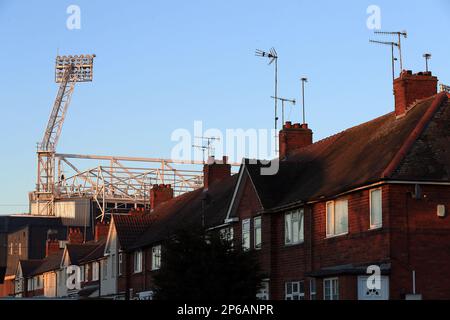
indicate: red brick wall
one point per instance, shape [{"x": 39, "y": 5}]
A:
[
  {"x": 7, "y": 288},
  {"x": 420, "y": 241}
]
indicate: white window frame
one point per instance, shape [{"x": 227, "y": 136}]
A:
[
  {"x": 334, "y": 233},
  {"x": 289, "y": 227},
  {"x": 312, "y": 289},
  {"x": 246, "y": 234},
  {"x": 156, "y": 257},
  {"x": 119, "y": 269},
  {"x": 95, "y": 271},
  {"x": 137, "y": 259},
  {"x": 297, "y": 294},
  {"x": 257, "y": 232},
  {"x": 372, "y": 225},
  {"x": 334, "y": 285}
]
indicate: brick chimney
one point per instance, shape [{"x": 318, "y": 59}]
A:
[
  {"x": 160, "y": 193},
  {"x": 52, "y": 246},
  {"x": 215, "y": 171},
  {"x": 293, "y": 137},
  {"x": 101, "y": 231},
  {"x": 75, "y": 236},
  {"x": 410, "y": 87}
]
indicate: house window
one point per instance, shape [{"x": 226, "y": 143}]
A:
[
  {"x": 20, "y": 248},
  {"x": 120, "y": 264},
  {"x": 95, "y": 271},
  {"x": 368, "y": 290},
  {"x": 293, "y": 227},
  {"x": 331, "y": 289},
  {"x": 138, "y": 261},
  {"x": 29, "y": 284},
  {"x": 105, "y": 268},
  {"x": 246, "y": 234},
  {"x": 263, "y": 292},
  {"x": 227, "y": 234},
  {"x": 257, "y": 232},
  {"x": 312, "y": 289},
  {"x": 86, "y": 272},
  {"x": 337, "y": 217},
  {"x": 294, "y": 290},
  {"x": 156, "y": 257},
  {"x": 11, "y": 249},
  {"x": 82, "y": 274},
  {"x": 375, "y": 209}
]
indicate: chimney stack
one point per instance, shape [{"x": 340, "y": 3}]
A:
[
  {"x": 409, "y": 88},
  {"x": 51, "y": 246},
  {"x": 101, "y": 231},
  {"x": 215, "y": 171},
  {"x": 75, "y": 236},
  {"x": 160, "y": 193},
  {"x": 293, "y": 137}
]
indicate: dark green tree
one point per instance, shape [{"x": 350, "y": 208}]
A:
[{"x": 204, "y": 267}]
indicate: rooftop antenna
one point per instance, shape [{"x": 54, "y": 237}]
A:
[
  {"x": 399, "y": 35},
  {"x": 303, "y": 80},
  {"x": 273, "y": 57},
  {"x": 283, "y": 100},
  {"x": 427, "y": 57},
  {"x": 208, "y": 147},
  {"x": 393, "y": 59}
]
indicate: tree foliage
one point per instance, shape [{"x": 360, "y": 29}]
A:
[{"x": 199, "y": 267}]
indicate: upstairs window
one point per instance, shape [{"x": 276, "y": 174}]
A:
[
  {"x": 138, "y": 261},
  {"x": 156, "y": 257},
  {"x": 376, "y": 215},
  {"x": 86, "y": 272},
  {"x": 257, "y": 232},
  {"x": 95, "y": 271},
  {"x": 246, "y": 234},
  {"x": 337, "y": 217},
  {"x": 119, "y": 271},
  {"x": 104, "y": 263},
  {"x": 293, "y": 227}
]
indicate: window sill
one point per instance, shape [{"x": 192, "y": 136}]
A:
[
  {"x": 336, "y": 235},
  {"x": 375, "y": 228},
  {"x": 294, "y": 244},
  {"x": 137, "y": 272}
]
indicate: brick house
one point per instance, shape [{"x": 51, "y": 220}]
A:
[{"x": 376, "y": 194}]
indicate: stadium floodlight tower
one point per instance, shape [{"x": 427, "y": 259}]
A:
[{"x": 68, "y": 71}]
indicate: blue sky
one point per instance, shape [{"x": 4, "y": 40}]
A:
[{"x": 161, "y": 65}]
